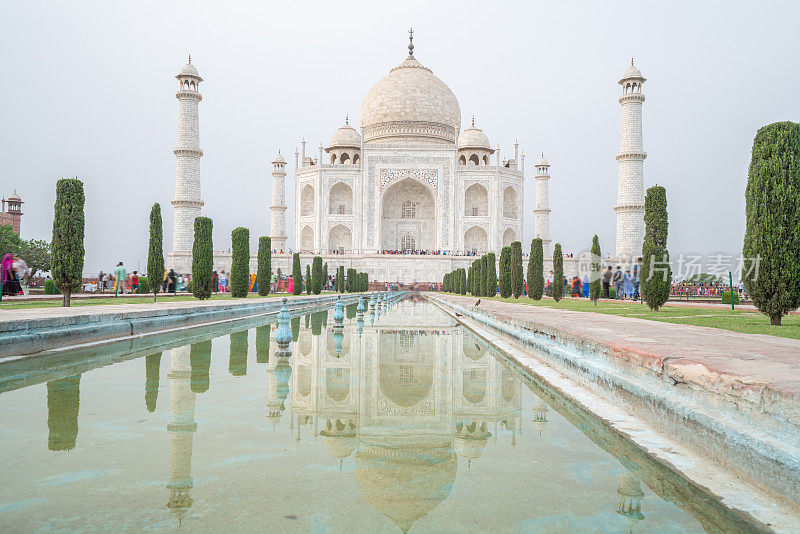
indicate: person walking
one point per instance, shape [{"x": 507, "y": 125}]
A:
[
  {"x": 637, "y": 272},
  {"x": 119, "y": 275},
  {"x": 172, "y": 281},
  {"x": 134, "y": 282},
  {"x": 607, "y": 282},
  {"x": 618, "y": 280}
]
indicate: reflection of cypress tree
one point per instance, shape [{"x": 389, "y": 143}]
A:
[
  {"x": 308, "y": 320},
  {"x": 152, "y": 376},
  {"x": 262, "y": 344},
  {"x": 350, "y": 311},
  {"x": 295, "y": 328},
  {"x": 63, "y": 401},
  {"x": 200, "y": 358},
  {"x": 237, "y": 365},
  {"x": 318, "y": 319}
]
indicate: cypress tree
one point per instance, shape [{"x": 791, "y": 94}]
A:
[
  {"x": 491, "y": 275},
  {"x": 297, "y": 275},
  {"x": 483, "y": 270},
  {"x": 264, "y": 272},
  {"x": 155, "y": 256},
  {"x": 596, "y": 272},
  {"x": 240, "y": 263},
  {"x": 505, "y": 272},
  {"x": 771, "y": 250},
  {"x": 350, "y": 280},
  {"x": 463, "y": 287},
  {"x": 317, "y": 275},
  {"x": 202, "y": 258},
  {"x": 558, "y": 273},
  {"x": 536, "y": 270},
  {"x": 325, "y": 275},
  {"x": 309, "y": 281},
  {"x": 656, "y": 275},
  {"x": 516, "y": 269},
  {"x": 340, "y": 279},
  {"x": 66, "y": 263},
  {"x": 476, "y": 278},
  {"x": 469, "y": 279}
]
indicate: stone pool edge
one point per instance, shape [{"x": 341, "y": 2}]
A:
[
  {"x": 742, "y": 492},
  {"x": 28, "y": 337}
]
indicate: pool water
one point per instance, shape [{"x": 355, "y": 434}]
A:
[{"x": 400, "y": 420}]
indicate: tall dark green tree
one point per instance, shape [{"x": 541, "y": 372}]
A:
[
  {"x": 240, "y": 263},
  {"x": 505, "y": 272},
  {"x": 596, "y": 272},
  {"x": 155, "y": 255},
  {"x": 297, "y": 275},
  {"x": 558, "y": 272},
  {"x": 349, "y": 284},
  {"x": 325, "y": 275},
  {"x": 469, "y": 279},
  {"x": 656, "y": 275},
  {"x": 484, "y": 269},
  {"x": 202, "y": 258},
  {"x": 317, "y": 275},
  {"x": 68, "y": 229},
  {"x": 517, "y": 282},
  {"x": 771, "y": 249},
  {"x": 264, "y": 271},
  {"x": 491, "y": 275},
  {"x": 536, "y": 270},
  {"x": 463, "y": 287},
  {"x": 309, "y": 281}
]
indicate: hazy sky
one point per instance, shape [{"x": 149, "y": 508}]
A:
[{"x": 88, "y": 90}]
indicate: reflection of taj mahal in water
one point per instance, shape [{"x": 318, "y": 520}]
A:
[{"x": 404, "y": 402}]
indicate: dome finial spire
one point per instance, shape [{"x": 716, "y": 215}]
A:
[
  {"x": 347, "y": 120},
  {"x": 473, "y": 121},
  {"x": 631, "y": 61},
  {"x": 411, "y": 42},
  {"x": 190, "y": 59}
]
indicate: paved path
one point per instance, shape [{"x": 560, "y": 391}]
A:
[{"x": 762, "y": 369}]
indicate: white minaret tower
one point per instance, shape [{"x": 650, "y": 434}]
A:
[
  {"x": 541, "y": 213},
  {"x": 630, "y": 180},
  {"x": 181, "y": 430},
  {"x": 278, "y": 207},
  {"x": 187, "y": 203}
]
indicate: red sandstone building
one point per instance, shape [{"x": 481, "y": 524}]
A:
[{"x": 12, "y": 217}]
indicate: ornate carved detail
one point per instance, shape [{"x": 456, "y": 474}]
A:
[
  {"x": 433, "y": 130},
  {"x": 472, "y": 181},
  {"x": 426, "y": 176},
  {"x": 192, "y": 152},
  {"x": 347, "y": 180},
  {"x": 336, "y": 222},
  {"x": 627, "y": 156},
  {"x": 387, "y": 407},
  {"x": 480, "y": 224},
  {"x": 442, "y": 200}
]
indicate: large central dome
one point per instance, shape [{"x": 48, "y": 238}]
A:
[{"x": 410, "y": 104}]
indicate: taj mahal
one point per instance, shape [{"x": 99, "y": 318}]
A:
[{"x": 409, "y": 195}]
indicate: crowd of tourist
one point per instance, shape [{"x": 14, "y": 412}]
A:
[{"x": 15, "y": 274}]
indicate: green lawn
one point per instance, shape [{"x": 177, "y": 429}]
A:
[
  {"x": 122, "y": 300},
  {"x": 744, "y": 321}
]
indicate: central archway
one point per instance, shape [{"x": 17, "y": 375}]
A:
[
  {"x": 408, "y": 217},
  {"x": 340, "y": 239}
]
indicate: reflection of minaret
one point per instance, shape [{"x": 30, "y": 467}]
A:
[
  {"x": 238, "y": 362},
  {"x": 200, "y": 357},
  {"x": 471, "y": 439},
  {"x": 63, "y": 402},
  {"x": 539, "y": 414},
  {"x": 630, "y": 497},
  {"x": 152, "y": 378},
  {"x": 181, "y": 431},
  {"x": 262, "y": 344}
]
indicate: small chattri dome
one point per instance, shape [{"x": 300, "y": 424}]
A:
[
  {"x": 632, "y": 73},
  {"x": 542, "y": 162},
  {"x": 473, "y": 137},
  {"x": 278, "y": 159},
  {"x": 189, "y": 70},
  {"x": 14, "y": 196},
  {"x": 346, "y": 137}
]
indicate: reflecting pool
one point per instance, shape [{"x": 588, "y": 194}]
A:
[{"x": 392, "y": 419}]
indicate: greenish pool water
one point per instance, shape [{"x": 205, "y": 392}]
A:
[{"x": 402, "y": 421}]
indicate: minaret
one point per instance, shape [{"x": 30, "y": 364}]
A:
[
  {"x": 278, "y": 208},
  {"x": 630, "y": 180},
  {"x": 187, "y": 202},
  {"x": 181, "y": 430},
  {"x": 541, "y": 213}
]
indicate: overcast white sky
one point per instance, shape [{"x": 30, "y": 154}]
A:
[{"x": 88, "y": 90}]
